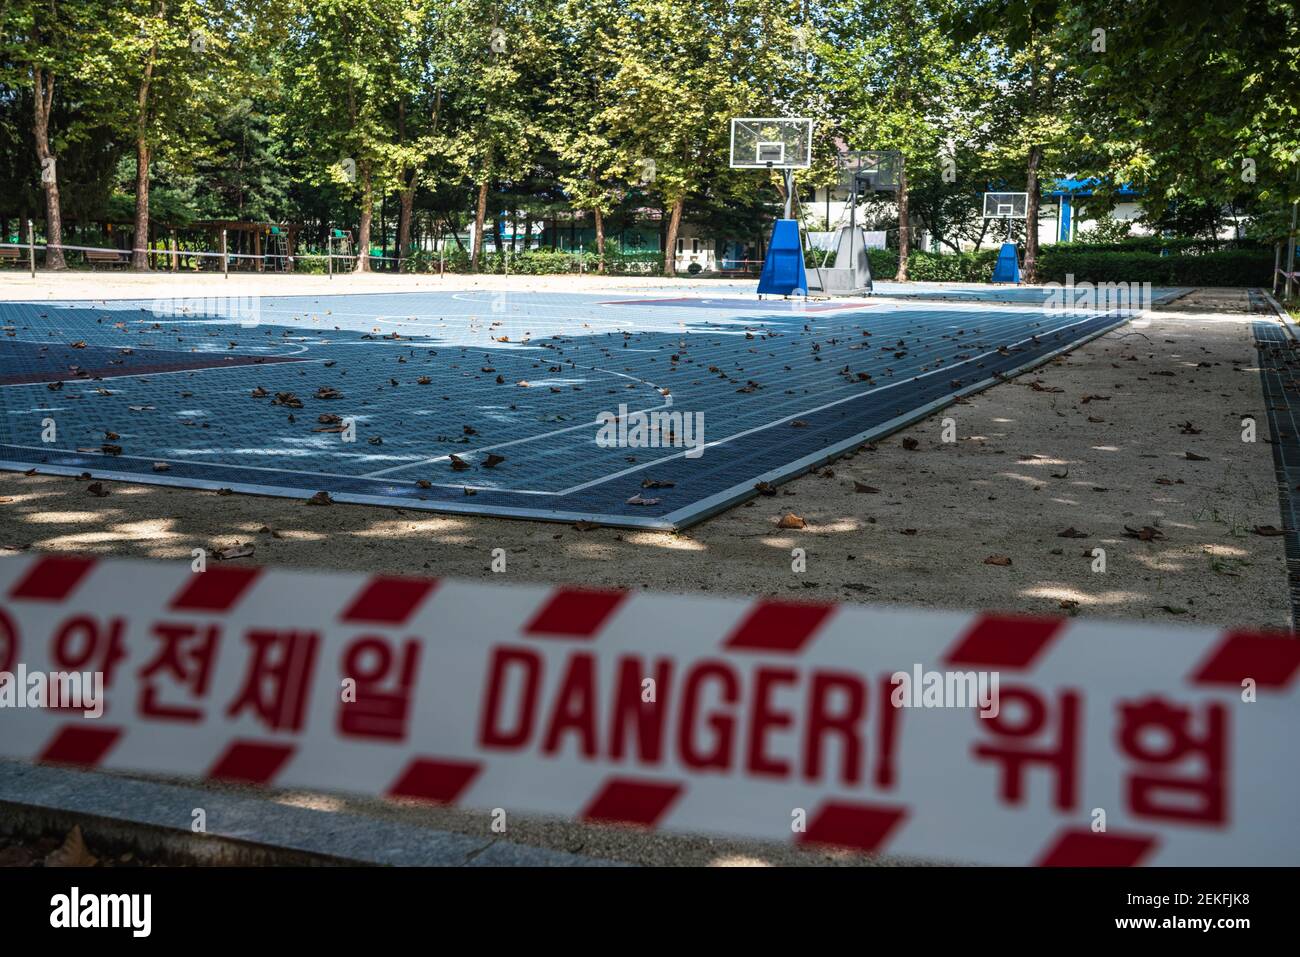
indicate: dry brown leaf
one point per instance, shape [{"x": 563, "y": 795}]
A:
[
  {"x": 998, "y": 560},
  {"x": 72, "y": 853},
  {"x": 1146, "y": 533},
  {"x": 791, "y": 520}
]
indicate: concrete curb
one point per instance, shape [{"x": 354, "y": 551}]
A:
[{"x": 148, "y": 818}]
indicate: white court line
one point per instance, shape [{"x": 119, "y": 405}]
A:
[
  {"x": 117, "y": 473},
  {"x": 828, "y": 405},
  {"x": 982, "y": 307}
]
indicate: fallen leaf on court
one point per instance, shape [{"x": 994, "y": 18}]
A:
[
  {"x": 224, "y": 491},
  {"x": 328, "y": 392},
  {"x": 1069, "y": 604},
  {"x": 1144, "y": 534},
  {"x": 493, "y": 460},
  {"x": 585, "y": 526},
  {"x": 1173, "y": 609},
  {"x": 765, "y": 488},
  {"x": 458, "y": 464},
  {"x": 865, "y": 489},
  {"x": 1269, "y": 530},
  {"x": 97, "y": 489},
  {"x": 656, "y": 483},
  {"x": 1189, "y": 429},
  {"x": 791, "y": 520},
  {"x": 423, "y": 483},
  {"x": 638, "y": 500},
  {"x": 375, "y": 440},
  {"x": 1095, "y": 419},
  {"x": 1193, "y": 457},
  {"x": 911, "y": 444},
  {"x": 111, "y": 436},
  {"x": 909, "y": 531},
  {"x": 161, "y": 467},
  {"x": 328, "y": 418},
  {"x": 1071, "y": 532},
  {"x": 72, "y": 853},
  {"x": 259, "y": 393},
  {"x": 320, "y": 498},
  {"x": 997, "y": 560},
  {"x": 798, "y": 424},
  {"x": 235, "y": 551}
]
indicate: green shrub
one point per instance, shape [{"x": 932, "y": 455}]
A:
[{"x": 1228, "y": 267}]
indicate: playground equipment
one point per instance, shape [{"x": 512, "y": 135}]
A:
[
  {"x": 861, "y": 171},
  {"x": 1007, "y": 206},
  {"x": 784, "y": 144}
]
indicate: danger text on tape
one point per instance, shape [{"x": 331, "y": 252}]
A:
[{"x": 958, "y": 737}]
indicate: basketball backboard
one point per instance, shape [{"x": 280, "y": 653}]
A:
[
  {"x": 1006, "y": 205},
  {"x": 771, "y": 143},
  {"x": 871, "y": 169}
]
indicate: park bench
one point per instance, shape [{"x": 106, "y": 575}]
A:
[{"x": 107, "y": 257}]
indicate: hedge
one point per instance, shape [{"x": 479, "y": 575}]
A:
[
  {"x": 537, "y": 262},
  {"x": 1229, "y": 267},
  {"x": 1250, "y": 266}
]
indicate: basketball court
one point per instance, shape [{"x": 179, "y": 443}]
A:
[{"x": 499, "y": 402}]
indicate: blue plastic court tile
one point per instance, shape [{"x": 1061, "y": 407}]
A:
[{"x": 511, "y": 404}]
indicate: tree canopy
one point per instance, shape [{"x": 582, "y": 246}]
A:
[{"x": 333, "y": 112}]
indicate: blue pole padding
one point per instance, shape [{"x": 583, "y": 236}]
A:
[{"x": 783, "y": 269}]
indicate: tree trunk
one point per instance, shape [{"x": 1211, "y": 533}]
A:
[
  {"x": 904, "y": 218},
  {"x": 528, "y": 229},
  {"x": 140, "y": 243},
  {"x": 670, "y": 241},
  {"x": 44, "y": 97},
  {"x": 367, "y": 216},
  {"x": 407, "y": 199},
  {"x": 600, "y": 240},
  {"x": 1031, "y": 215},
  {"x": 480, "y": 214}
]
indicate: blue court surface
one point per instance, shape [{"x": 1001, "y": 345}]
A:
[{"x": 621, "y": 409}]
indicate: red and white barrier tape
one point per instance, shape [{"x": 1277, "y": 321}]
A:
[{"x": 1116, "y": 743}]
